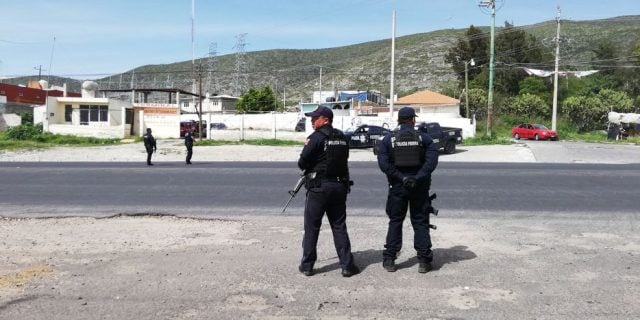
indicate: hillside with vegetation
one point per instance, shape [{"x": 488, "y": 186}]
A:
[{"x": 420, "y": 62}]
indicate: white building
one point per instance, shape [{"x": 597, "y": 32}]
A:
[
  {"x": 85, "y": 116},
  {"x": 211, "y": 104}
]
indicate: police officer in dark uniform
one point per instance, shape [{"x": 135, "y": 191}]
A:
[
  {"x": 408, "y": 157},
  {"x": 324, "y": 160},
  {"x": 150, "y": 145},
  {"x": 188, "y": 142}
]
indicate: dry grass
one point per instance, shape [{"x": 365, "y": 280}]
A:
[{"x": 21, "y": 278}]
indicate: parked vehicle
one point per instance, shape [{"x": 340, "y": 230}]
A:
[
  {"x": 365, "y": 136},
  {"x": 301, "y": 125},
  {"x": 447, "y": 138},
  {"x": 533, "y": 131},
  {"x": 186, "y": 125},
  {"x": 218, "y": 126}
]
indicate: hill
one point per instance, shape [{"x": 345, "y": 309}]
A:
[{"x": 366, "y": 66}]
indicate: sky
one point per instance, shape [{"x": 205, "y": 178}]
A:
[{"x": 87, "y": 39}]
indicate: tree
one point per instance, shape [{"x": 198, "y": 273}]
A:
[
  {"x": 527, "y": 105},
  {"x": 628, "y": 77},
  {"x": 258, "y": 100},
  {"x": 590, "y": 85},
  {"x": 474, "y": 45},
  {"x": 536, "y": 86},
  {"x": 478, "y": 102},
  {"x": 589, "y": 112},
  {"x": 605, "y": 57},
  {"x": 515, "y": 47}
]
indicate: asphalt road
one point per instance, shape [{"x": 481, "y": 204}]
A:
[{"x": 228, "y": 188}]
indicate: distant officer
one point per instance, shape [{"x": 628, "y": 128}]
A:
[
  {"x": 325, "y": 155},
  {"x": 188, "y": 142},
  {"x": 150, "y": 145},
  {"x": 407, "y": 157}
]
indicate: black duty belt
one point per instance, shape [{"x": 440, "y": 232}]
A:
[{"x": 334, "y": 179}]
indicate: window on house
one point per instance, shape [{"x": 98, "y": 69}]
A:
[
  {"x": 92, "y": 113},
  {"x": 84, "y": 115},
  {"x": 104, "y": 113},
  {"x": 68, "y": 110}
]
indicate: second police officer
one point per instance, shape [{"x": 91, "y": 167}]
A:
[
  {"x": 149, "y": 145},
  {"x": 407, "y": 157},
  {"x": 188, "y": 143},
  {"x": 324, "y": 160}
]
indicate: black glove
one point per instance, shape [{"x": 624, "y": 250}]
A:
[{"x": 409, "y": 182}]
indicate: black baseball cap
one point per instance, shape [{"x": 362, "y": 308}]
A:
[
  {"x": 406, "y": 112},
  {"x": 320, "y": 111}
]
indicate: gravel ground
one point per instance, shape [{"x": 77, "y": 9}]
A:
[
  {"x": 174, "y": 150},
  {"x": 244, "y": 267}
]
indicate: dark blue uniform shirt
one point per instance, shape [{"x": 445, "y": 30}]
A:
[
  {"x": 395, "y": 174},
  {"x": 313, "y": 151}
]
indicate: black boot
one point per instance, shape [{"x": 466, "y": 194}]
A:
[
  {"x": 389, "y": 265},
  {"x": 306, "y": 271},
  {"x": 424, "y": 267},
  {"x": 352, "y": 270}
]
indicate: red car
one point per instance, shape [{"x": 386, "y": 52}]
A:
[{"x": 533, "y": 131}]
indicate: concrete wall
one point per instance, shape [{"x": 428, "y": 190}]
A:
[
  {"x": 87, "y": 131},
  {"x": 39, "y": 114},
  {"x": 279, "y": 123},
  {"x": 117, "y": 112},
  {"x": 162, "y": 125},
  {"x": 8, "y": 120}
]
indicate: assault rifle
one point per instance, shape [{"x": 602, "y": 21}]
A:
[
  {"x": 432, "y": 210},
  {"x": 297, "y": 187}
]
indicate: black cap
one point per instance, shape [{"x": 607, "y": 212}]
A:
[
  {"x": 320, "y": 111},
  {"x": 406, "y": 112}
]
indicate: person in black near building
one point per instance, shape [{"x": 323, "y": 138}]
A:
[
  {"x": 150, "y": 145},
  {"x": 408, "y": 158},
  {"x": 188, "y": 142},
  {"x": 324, "y": 160}
]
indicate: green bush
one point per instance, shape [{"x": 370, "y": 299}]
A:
[
  {"x": 528, "y": 105},
  {"x": 26, "y": 118},
  {"x": 24, "y": 132}
]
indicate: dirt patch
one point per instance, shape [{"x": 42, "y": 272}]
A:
[{"x": 21, "y": 278}]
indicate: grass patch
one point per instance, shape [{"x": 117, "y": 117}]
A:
[
  {"x": 32, "y": 137},
  {"x": 481, "y": 140}
]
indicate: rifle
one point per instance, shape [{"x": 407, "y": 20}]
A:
[
  {"x": 296, "y": 188},
  {"x": 432, "y": 210}
]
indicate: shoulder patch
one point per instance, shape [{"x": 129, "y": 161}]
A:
[{"x": 307, "y": 141}]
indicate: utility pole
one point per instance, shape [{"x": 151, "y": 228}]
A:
[
  {"x": 193, "y": 49},
  {"x": 200, "y": 128},
  {"x": 393, "y": 65},
  {"x": 491, "y": 4},
  {"x": 39, "y": 68},
  {"x": 555, "y": 74},
  {"x": 320, "y": 87}
]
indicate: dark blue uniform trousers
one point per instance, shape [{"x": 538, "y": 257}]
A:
[
  {"x": 398, "y": 201},
  {"x": 329, "y": 197}
]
